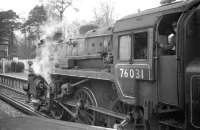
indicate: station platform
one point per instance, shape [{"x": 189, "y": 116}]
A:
[
  {"x": 3, "y": 115},
  {"x": 35, "y": 123},
  {"x": 17, "y": 75}
]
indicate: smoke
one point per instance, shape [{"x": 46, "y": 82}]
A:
[
  {"x": 46, "y": 52},
  {"x": 43, "y": 63},
  {"x": 55, "y": 35}
]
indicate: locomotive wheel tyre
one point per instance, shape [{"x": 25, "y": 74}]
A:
[
  {"x": 85, "y": 115},
  {"x": 56, "y": 111},
  {"x": 123, "y": 108},
  {"x": 119, "y": 108}
]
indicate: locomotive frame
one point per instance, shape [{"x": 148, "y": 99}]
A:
[{"x": 121, "y": 75}]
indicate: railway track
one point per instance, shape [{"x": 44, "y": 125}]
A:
[
  {"x": 21, "y": 106},
  {"x": 11, "y": 91},
  {"x": 16, "y": 97}
]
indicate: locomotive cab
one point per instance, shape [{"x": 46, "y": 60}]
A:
[
  {"x": 191, "y": 64},
  {"x": 167, "y": 62},
  {"x": 178, "y": 73},
  {"x": 161, "y": 81}
]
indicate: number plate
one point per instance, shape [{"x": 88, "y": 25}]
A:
[{"x": 134, "y": 71}]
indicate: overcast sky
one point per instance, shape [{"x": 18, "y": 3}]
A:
[{"x": 86, "y": 7}]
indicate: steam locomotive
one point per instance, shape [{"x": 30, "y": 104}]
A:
[{"x": 121, "y": 75}]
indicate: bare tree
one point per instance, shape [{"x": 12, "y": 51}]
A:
[
  {"x": 72, "y": 29},
  {"x": 61, "y": 5},
  {"x": 51, "y": 13},
  {"x": 104, "y": 16}
]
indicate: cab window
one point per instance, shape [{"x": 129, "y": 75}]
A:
[
  {"x": 125, "y": 47},
  {"x": 140, "y": 45}
]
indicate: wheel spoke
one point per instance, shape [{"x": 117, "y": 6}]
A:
[
  {"x": 118, "y": 107},
  {"x": 85, "y": 115}
]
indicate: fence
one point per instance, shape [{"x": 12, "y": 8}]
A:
[{"x": 14, "y": 65}]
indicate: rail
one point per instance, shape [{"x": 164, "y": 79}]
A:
[
  {"x": 15, "y": 84},
  {"x": 17, "y": 100},
  {"x": 20, "y": 106},
  {"x": 11, "y": 91}
]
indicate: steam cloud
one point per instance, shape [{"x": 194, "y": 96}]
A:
[
  {"x": 47, "y": 53},
  {"x": 43, "y": 64}
]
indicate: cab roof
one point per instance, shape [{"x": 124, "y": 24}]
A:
[{"x": 148, "y": 18}]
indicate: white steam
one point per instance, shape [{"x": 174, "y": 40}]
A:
[
  {"x": 43, "y": 63},
  {"x": 47, "y": 53}
]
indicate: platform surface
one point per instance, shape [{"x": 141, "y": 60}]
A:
[
  {"x": 35, "y": 123},
  {"x": 16, "y": 75},
  {"x": 3, "y": 115}
]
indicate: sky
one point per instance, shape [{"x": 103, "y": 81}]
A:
[{"x": 86, "y": 7}]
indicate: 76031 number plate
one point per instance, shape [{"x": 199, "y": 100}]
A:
[{"x": 133, "y": 71}]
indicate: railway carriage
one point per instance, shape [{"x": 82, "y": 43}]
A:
[{"x": 122, "y": 75}]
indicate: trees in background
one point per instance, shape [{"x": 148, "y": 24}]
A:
[
  {"x": 26, "y": 50},
  {"x": 56, "y": 9},
  {"x": 31, "y": 30},
  {"x": 8, "y": 23},
  {"x": 41, "y": 14},
  {"x": 104, "y": 15},
  {"x": 37, "y": 17},
  {"x": 59, "y": 6},
  {"x": 33, "y": 27}
]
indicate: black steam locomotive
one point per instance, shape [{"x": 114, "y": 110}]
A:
[{"x": 123, "y": 75}]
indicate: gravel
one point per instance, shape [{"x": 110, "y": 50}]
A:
[{"x": 11, "y": 111}]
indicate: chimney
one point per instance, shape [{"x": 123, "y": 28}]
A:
[{"x": 163, "y": 2}]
